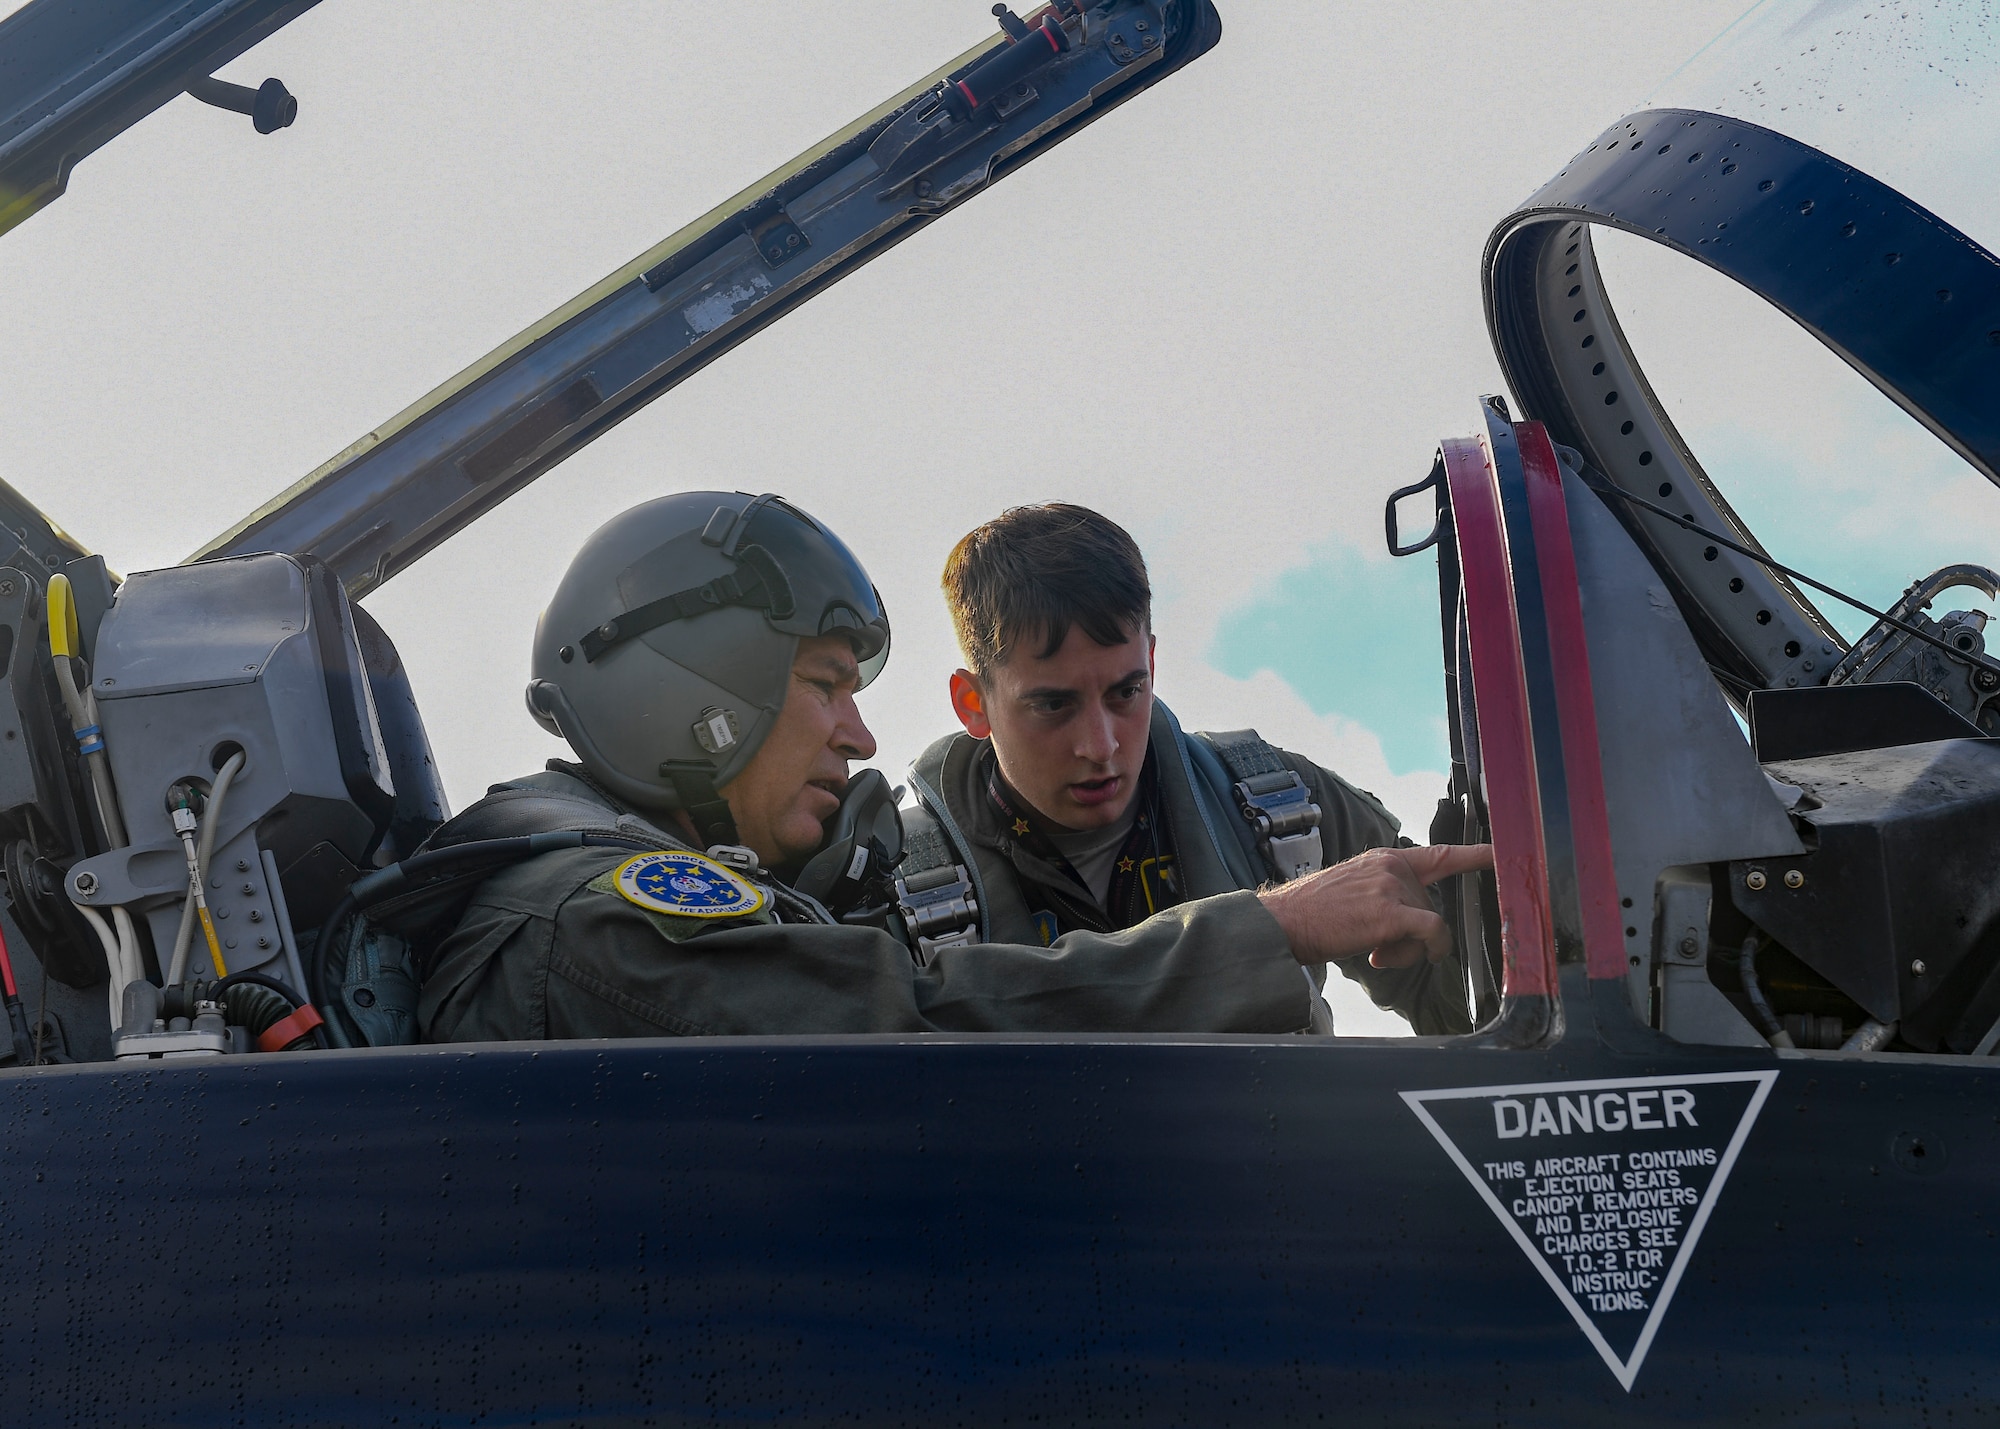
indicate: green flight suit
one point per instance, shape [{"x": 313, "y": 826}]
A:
[
  {"x": 1210, "y": 839},
  {"x": 549, "y": 949}
]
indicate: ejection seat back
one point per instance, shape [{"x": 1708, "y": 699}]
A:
[{"x": 261, "y": 655}]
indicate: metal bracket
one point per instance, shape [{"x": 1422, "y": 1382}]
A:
[
  {"x": 778, "y": 239},
  {"x": 1135, "y": 33}
]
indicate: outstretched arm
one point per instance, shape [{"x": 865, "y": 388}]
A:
[{"x": 1373, "y": 903}]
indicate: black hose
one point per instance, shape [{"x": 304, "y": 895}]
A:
[
  {"x": 256, "y": 980},
  {"x": 1746, "y": 970},
  {"x": 257, "y": 1008},
  {"x": 253, "y": 1001}
]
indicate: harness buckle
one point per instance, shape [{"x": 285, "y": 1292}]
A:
[
  {"x": 1280, "y": 807},
  {"x": 939, "y": 908}
]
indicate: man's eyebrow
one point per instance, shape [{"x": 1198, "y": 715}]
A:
[
  {"x": 829, "y": 665},
  {"x": 1056, "y": 692}
]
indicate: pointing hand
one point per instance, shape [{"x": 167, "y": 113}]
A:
[{"x": 1373, "y": 903}]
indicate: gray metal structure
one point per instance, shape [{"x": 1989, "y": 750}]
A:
[{"x": 259, "y": 656}]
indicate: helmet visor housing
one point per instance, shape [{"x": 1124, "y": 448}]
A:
[{"x": 816, "y": 586}]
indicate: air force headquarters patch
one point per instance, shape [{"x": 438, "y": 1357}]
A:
[{"x": 687, "y": 885}]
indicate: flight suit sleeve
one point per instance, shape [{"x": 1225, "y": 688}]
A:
[
  {"x": 528, "y": 961},
  {"x": 1429, "y": 996}
]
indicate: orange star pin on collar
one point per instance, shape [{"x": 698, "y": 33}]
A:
[
  {"x": 1020, "y": 828},
  {"x": 1124, "y": 865}
]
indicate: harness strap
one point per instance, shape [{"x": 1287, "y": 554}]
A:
[
  {"x": 694, "y": 785},
  {"x": 935, "y": 892},
  {"x": 1275, "y": 802}
]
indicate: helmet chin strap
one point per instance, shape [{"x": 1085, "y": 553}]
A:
[{"x": 694, "y": 784}]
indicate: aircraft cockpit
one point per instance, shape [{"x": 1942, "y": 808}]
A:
[{"x": 1714, "y": 577}]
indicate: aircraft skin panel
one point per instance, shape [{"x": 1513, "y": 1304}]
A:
[{"x": 1232, "y": 1230}]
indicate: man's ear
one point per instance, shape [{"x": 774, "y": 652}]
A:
[
  {"x": 1152, "y": 647},
  {"x": 968, "y": 702}
]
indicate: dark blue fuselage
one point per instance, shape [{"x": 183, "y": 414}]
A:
[{"x": 1221, "y": 1230}]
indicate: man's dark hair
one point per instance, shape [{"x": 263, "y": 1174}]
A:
[{"x": 1032, "y": 572}]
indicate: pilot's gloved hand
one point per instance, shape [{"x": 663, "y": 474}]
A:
[{"x": 1373, "y": 903}]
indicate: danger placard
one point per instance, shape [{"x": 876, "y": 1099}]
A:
[{"x": 1605, "y": 1184}]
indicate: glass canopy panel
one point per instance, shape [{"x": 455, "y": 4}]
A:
[
  {"x": 1833, "y": 477},
  {"x": 1908, "y": 93}
]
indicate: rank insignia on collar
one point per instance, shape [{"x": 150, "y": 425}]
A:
[{"x": 687, "y": 885}]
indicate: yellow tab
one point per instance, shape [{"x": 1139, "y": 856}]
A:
[{"x": 64, "y": 636}]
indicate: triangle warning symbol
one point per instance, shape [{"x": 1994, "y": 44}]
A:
[{"x": 1606, "y": 1185}]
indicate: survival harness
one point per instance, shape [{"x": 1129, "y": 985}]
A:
[{"x": 937, "y": 886}]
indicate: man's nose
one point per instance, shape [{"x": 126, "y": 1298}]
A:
[
  {"x": 851, "y": 736},
  {"x": 1096, "y": 737}
]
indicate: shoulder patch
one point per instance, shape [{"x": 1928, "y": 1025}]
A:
[{"x": 686, "y": 885}]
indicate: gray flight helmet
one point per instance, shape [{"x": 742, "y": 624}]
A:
[{"x": 664, "y": 656}]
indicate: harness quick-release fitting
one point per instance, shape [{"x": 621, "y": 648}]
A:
[
  {"x": 1281, "y": 809},
  {"x": 939, "y": 908}
]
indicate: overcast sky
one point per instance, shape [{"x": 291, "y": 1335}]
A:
[{"x": 1232, "y": 315}]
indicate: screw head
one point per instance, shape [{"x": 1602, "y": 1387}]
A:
[
  {"x": 1689, "y": 946},
  {"x": 86, "y": 884},
  {"x": 1917, "y": 967},
  {"x": 1754, "y": 880},
  {"x": 1987, "y": 679},
  {"x": 6, "y": 587},
  {"x": 1794, "y": 878}
]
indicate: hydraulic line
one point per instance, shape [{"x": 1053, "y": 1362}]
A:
[
  {"x": 197, "y": 897},
  {"x": 114, "y": 957},
  {"x": 1746, "y": 968},
  {"x": 196, "y": 905},
  {"x": 66, "y": 646}
]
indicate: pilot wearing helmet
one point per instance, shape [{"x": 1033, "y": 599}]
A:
[{"x": 701, "y": 657}]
